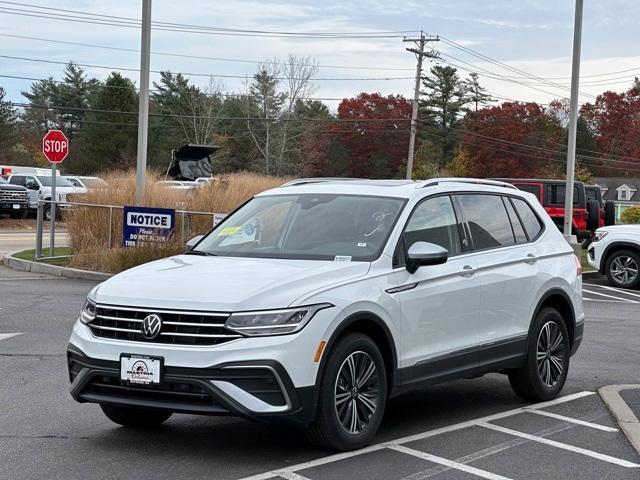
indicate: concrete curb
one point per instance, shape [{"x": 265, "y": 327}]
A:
[
  {"x": 624, "y": 415},
  {"x": 38, "y": 267}
]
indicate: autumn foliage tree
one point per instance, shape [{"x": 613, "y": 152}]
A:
[
  {"x": 368, "y": 139},
  {"x": 615, "y": 119},
  {"x": 496, "y": 147}
]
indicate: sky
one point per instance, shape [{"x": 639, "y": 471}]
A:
[{"x": 533, "y": 36}]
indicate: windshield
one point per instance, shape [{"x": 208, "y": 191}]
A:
[
  {"x": 60, "y": 181},
  {"x": 92, "y": 182},
  {"x": 307, "y": 226}
]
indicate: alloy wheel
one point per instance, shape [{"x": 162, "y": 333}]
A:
[
  {"x": 356, "y": 392},
  {"x": 551, "y": 363},
  {"x": 624, "y": 269}
]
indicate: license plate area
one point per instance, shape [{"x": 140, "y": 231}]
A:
[{"x": 141, "y": 369}]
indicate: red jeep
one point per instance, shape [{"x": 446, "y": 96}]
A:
[{"x": 550, "y": 193}]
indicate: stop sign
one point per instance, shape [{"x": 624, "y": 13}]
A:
[{"x": 55, "y": 146}]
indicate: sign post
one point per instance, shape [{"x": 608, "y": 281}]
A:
[{"x": 55, "y": 147}]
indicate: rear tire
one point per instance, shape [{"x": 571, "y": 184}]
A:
[
  {"x": 352, "y": 397},
  {"x": 548, "y": 351},
  {"x": 135, "y": 417},
  {"x": 623, "y": 269}
]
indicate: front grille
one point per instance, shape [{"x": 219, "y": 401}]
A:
[
  {"x": 13, "y": 196},
  {"x": 169, "y": 391},
  {"x": 178, "y": 327}
]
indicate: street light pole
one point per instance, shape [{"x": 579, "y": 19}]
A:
[
  {"x": 573, "y": 121},
  {"x": 143, "y": 109}
]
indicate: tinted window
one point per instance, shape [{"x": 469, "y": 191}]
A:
[
  {"x": 535, "y": 189},
  {"x": 529, "y": 219},
  {"x": 17, "y": 180},
  {"x": 518, "y": 231},
  {"x": 488, "y": 221},
  {"x": 434, "y": 221},
  {"x": 555, "y": 194}
]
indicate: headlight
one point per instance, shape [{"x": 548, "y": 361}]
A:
[
  {"x": 88, "y": 312},
  {"x": 600, "y": 234},
  {"x": 273, "y": 322}
]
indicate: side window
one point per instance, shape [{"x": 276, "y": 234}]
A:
[
  {"x": 518, "y": 231},
  {"x": 556, "y": 194},
  {"x": 434, "y": 221},
  {"x": 17, "y": 180},
  {"x": 488, "y": 221},
  {"x": 530, "y": 220},
  {"x": 535, "y": 189}
]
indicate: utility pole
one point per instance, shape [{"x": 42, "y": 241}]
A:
[
  {"x": 420, "y": 54},
  {"x": 143, "y": 109},
  {"x": 573, "y": 122}
]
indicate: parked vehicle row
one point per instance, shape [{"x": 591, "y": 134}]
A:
[
  {"x": 14, "y": 199},
  {"x": 315, "y": 302}
]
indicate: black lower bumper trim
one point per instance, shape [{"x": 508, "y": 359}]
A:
[{"x": 190, "y": 390}]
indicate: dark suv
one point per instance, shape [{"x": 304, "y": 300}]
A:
[{"x": 13, "y": 199}]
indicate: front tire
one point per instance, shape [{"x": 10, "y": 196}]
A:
[
  {"x": 352, "y": 397},
  {"x": 622, "y": 269},
  {"x": 135, "y": 417},
  {"x": 545, "y": 370}
]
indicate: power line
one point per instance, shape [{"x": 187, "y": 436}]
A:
[
  {"x": 506, "y": 66},
  {"x": 215, "y": 75},
  {"x": 199, "y": 57},
  {"x": 111, "y": 20}
]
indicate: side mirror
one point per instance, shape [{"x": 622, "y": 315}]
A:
[
  {"x": 193, "y": 242},
  {"x": 32, "y": 186},
  {"x": 423, "y": 253}
]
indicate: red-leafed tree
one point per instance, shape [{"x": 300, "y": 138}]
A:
[
  {"x": 615, "y": 120},
  {"x": 368, "y": 139},
  {"x": 513, "y": 140}
]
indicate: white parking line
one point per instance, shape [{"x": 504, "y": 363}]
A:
[
  {"x": 448, "y": 463},
  {"x": 600, "y": 300},
  {"x": 619, "y": 290},
  {"x": 4, "y": 336},
  {"x": 597, "y": 426},
  {"x": 609, "y": 296},
  {"x": 563, "y": 446},
  {"x": 419, "y": 436}
]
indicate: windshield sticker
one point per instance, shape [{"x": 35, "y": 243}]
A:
[
  {"x": 225, "y": 232},
  {"x": 362, "y": 244},
  {"x": 342, "y": 258}
]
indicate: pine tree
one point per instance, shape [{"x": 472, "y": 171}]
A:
[{"x": 8, "y": 126}]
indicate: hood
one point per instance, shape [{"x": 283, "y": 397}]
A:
[
  {"x": 621, "y": 228},
  {"x": 7, "y": 187},
  {"x": 190, "y": 282}
]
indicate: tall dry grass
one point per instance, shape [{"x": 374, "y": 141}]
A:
[{"x": 88, "y": 227}]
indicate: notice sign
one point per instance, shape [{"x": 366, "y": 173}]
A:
[{"x": 147, "y": 225}]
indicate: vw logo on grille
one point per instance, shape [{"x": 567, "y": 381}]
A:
[{"x": 151, "y": 326}]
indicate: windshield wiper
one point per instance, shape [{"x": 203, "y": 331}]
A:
[{"x": 201, "y": 253}]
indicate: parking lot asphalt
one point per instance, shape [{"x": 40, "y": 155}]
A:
[{"x": 461, "y": 430}]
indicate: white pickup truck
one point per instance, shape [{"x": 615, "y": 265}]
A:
[
  {"x": 39, "y": 187},
  {"x": 615, "y": 252}
]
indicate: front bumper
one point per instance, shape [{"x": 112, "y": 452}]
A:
[
  {"x": 259, "y": 390},
  {"x": 11, "y": 207}
]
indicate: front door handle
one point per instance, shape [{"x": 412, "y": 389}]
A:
[
  {"x": 467, "y": 271},
  {"x": 531, "y": 258}
]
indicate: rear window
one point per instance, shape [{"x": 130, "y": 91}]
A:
[
  {"x": 488, "y": 221},
  {"x": 518, "y": 230},
  {"x": 535, "y": 189},
  {"x": 556, "y": 194},
  {"x": 530, "y": 220}
]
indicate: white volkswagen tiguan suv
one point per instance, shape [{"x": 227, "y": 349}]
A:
[{"x": 315, "y": 302}]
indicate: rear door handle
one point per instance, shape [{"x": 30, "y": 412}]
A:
[
  {"x": 531, "y": 258},
  {"x": 467, "y": 271}
]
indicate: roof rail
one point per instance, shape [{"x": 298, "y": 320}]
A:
[
  {"x": 478, "y": 181},
  {"x": 305, "y": 181}
]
